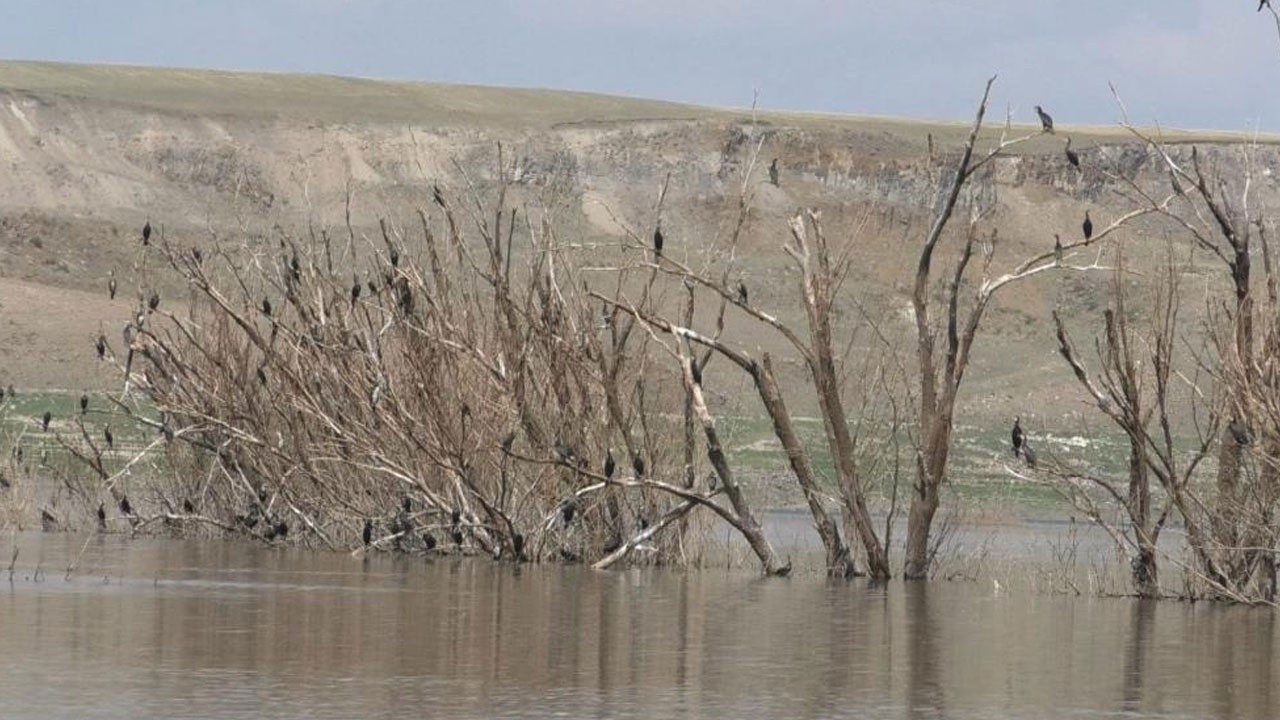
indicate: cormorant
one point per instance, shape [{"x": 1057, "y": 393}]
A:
[
  {"x": 609, "y": 464},
  {"x": 111, "y": 288},
  {"x": 102, "y": 516},
  {"x": 266, "y": 307},
  {"x": 187, "y": 507},
  {"x": 1240, "y": 432},
  {"x": 1016, "y": 435},
  {"x": 44, "y": 421},
  {"x": 1057, "y": 249},
  {"x": 125, "y": 507},
  {"x": 1029, "y": 455},
  {"x": 1072, "y": 157},
  {"x": 355, "y": 289},
  {"x": 695, "y": 370},
  {"x": 773, "y": 172},
  {"x": 1046, "y": 122},
  {"x": 146, "y": 233},
  {"x": 429, "y": 541},
  {"x": 637, "y": 464},
  {"x": 367, "y": 533},
  {"x": 153, "y": 302},
  {"x": 101, "y": 346},
  {"x": 742, "y": 292},
  {"x": 568, "y": 509},
  {"x": 456, "y": 534},
  {"x": 106, "y": 435},
  {"x": 657, "y": 240},
  {"x": 1087, "y": 226},
  {"x": 517, "y": 544},
  {"x": 84, "y": 404}
]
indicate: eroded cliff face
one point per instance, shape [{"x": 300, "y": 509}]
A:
[{"x": 83, "y": 168}]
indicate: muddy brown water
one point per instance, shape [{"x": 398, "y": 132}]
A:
[{"x": 155, "y": 628}]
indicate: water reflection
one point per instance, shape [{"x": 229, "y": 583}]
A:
[{"x": 155, "y": 628}]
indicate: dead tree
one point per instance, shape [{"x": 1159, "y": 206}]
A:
[{"x": 941, "y": 370}]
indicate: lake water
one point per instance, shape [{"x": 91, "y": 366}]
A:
[{"x": 161, "y": 628}]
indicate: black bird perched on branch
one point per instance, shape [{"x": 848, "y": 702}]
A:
[
  {"x": 657, "y": 240},
  {"x": 102, "y": 516},
  {"x": 1240, "y": 432},
  {"x": 1072, "y": 157},
  {"x": 187, "y": 507},
  {"x": 429, "y": 541},
  {"x": 84, "y": 404},
  {"x": 568, "y": 509},
  {"x": 125, "y": 507},
  {"x": 44, "y": 421},
  {"x": 695, "y": 370},
  {"x": 1087, "y": 226},
  {"x": 1016, "y": 436},
  {"x": 106, "y": 435},
  {"x": 367, "y": 534},
  {"x": 111, "y": 288},
  {"x": 101, "y": 346},
  {"x": 742, "y": 292},
  {"x": 146, "y": 233},
  {"x": 609, "y": 464},
  {"x": 637, "y": 464},
  {"x": 1057, "y": 249},
  {"x": 355, "y": 289},
  {"x": 455, "y": 517},
  {"x": 773, "y": 172},
  {"x": 153, "y": 302},
  {"x": 1046, "y": 122},
  {"x": 266, "y": 306}
]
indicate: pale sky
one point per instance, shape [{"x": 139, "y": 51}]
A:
[{"x": 1182, "y": 63}]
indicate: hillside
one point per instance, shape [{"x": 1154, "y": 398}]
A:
[{"x": 91, "y": 152}]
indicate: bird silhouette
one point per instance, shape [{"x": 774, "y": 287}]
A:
[
  {"x": 1057, "y": 249},
  {"x": 568, "y": 509},
  {"x": 1072, "y": 157},
  {"x": 102, "y": 516},
  {"x": 44, "y": 421},
  {"x": 367, "y": 534},
  {"x": 106, "y": 435},
  {"x": 266, "y": 307},
  {"x": 1046, "y": 122},
  {"x": 1017, "y": 437},
  {"x": 125, "y": 507},
  {"x": 84, "y": 404},
  {"x": 188, "y": 507},
  {"x": 146, "y": 233},
  {"x": 111, "y": 288},
  {"x": 1240, "y": 432},
  {"x": 609, "y": 464},
  {"x": 742, "y": 292},
  {"x": 153, "y": 302},
  {"x": 1087, "y": 226},
  {"x": 657, "y": 241},
  {"x": 637, "y": 464},
  {"x": 101, "y": 346},
  {"x": 773, "y": 172},
  {"x": 517, "y": 544},
  {"x": 695, "y": 370},
  {"x": 355, "y": 290}
]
